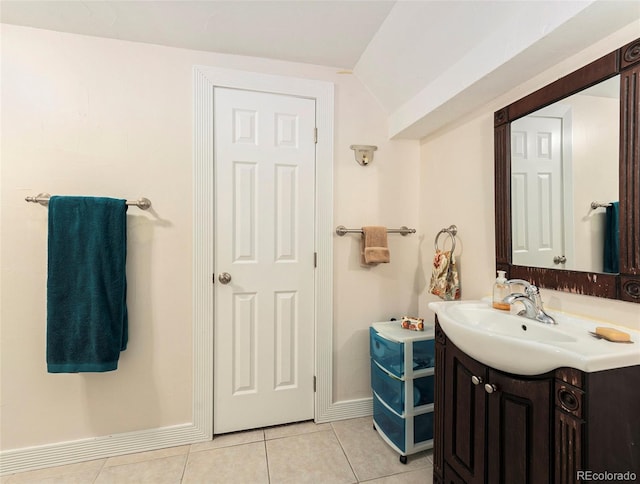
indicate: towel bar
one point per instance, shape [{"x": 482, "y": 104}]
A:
[
  {"x": 595, "y": 205},
  {"x": 342, "y": 230},
  {"x": 452, "y": 230},
  {"x": 43, "y": 199}
]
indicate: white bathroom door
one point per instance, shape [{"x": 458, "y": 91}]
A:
[
  {"x": 537, "y": 199},
  {"x": 264, "y": 233}
]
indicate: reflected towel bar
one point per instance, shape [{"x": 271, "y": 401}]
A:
[
  {"x": 595, "y": 205},
  {"x": 43, "y": 199},
  {"x": 342, "y": 230}
]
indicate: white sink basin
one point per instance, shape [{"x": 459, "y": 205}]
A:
[{"x": 523, "y": 346}]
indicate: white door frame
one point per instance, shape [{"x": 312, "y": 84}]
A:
[{"x": 205, "y": 79}]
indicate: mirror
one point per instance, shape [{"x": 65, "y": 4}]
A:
[
  {"x": 557, "y": 150},
  {"x": 564, "y": 157}
]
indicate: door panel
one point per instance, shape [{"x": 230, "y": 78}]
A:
[
  {"x": 464, "y": 425},
  {"x": 518, "y": 433},
  {"x": 265, "y": 209}
]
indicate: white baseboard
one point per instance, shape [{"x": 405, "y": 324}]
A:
[
  {"x": 72, "y": 452},
  {"x": 63, "y": 453},
  {"x": 346, "y": 409}
]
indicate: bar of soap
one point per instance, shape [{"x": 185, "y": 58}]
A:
[
  {"x": 414, "y": 324},
  {"x": 611, "y": 334}
]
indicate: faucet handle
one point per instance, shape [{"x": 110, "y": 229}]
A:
[{"x": 529, "y": 289}]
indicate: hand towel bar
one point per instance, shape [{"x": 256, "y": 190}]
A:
[
  {"x": 43, "y": 199},
  {"x": 452, "y": 230},
  {"x": 342, "y": 230}
]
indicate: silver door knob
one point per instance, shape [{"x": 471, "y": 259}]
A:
[
  {"x": 476, "y": 380},
  {"x": 490, "y": 388},
  {"x": 559, "y": 259},
  {"x": 224, "y": 278}
]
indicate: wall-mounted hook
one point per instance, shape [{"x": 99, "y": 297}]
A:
[{"x": 364, "y": 153}]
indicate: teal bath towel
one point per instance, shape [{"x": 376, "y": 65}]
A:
[
  {"x": 87, "y": 324},
  {"x": 612, "y": 240}
]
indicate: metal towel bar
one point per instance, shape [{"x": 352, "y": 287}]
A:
[
  {"x": 595, "y": 205},
  {"x": 43, "y": 199},
  {"x": 342, "y": 230},
  {"x": 452, "y": 230}
]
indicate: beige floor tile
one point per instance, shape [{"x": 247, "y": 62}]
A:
[
  {"x": 72, "y": 473},
  {"x": 142, "y": 456},
  {"x": 294, "y": 429},
  {"x": 369, "y": 455},
  {"x": 228, "y": 440},
  {"x": 314, "y": 457},
  {"x": 420, "y": 476},
  {"x": 240, "y": 464},
  {"x": 82, "y": 477},
  {"x": 167, "y": 470}
]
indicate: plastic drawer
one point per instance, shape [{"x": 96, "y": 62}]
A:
[
  {"x": 393, "y": 426},
  {"x": 423, "y": 427},
  {"x": 423, "y": 390},
  {"x": 389, "y": 423},
  {"x": 388, "y": 388},
  {"x": 423, "y": 354},
  {"x": 391, "y": 389},
  {"x": 389, "y": 354}
]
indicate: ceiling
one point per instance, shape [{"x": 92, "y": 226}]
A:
[
  {"x": 425, "y": 61},
  {"x": 332, "y": 33}
]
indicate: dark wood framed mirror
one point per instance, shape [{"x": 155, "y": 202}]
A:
[{"x": 625, "y": 283}]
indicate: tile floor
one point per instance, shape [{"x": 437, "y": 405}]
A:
[{"x": 347, "y": 451}]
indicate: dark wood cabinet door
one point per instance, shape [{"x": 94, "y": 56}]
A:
[
  {"x": 450, "y": 477},
  {"x": 464, "y": 416},
  {"x": 518, "y": 430}
]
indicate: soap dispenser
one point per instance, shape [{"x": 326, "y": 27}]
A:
[{"x": 501, "y": 290}]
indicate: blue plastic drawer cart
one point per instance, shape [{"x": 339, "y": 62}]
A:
[{"x": 402, "y": 380}]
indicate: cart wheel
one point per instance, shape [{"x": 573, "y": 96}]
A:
[{"x": 403, "y": 459}]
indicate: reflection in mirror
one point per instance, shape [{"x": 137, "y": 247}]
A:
[{"x": 564, "y": 157}]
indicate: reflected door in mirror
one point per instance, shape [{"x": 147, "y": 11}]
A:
[
  {"x": 537, "y": 191},
  {"x": 563, "y": 157}
]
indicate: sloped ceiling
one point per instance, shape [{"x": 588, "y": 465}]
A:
[
  {"x": 333, "y": 33},
  {"x": 437, "y": 74},
  {"x": 427, "y": 62}
]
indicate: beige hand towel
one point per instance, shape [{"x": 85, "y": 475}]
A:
[{"x": 374, "y": 245}]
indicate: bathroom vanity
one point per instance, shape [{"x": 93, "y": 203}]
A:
[{"x": 496, "y": 427}]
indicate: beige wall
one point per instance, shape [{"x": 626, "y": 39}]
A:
[
  {"x": 596, "y": 134},
  {"x": 83, "y": 115},
  {"x": 457, "y": 187}
]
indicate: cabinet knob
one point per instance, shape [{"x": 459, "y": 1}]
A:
[
  {"x": 490, "y": 388},
  {"x": 476, "y": 380}
]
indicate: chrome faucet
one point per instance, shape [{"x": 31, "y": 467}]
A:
[{"x": 531, "y": 300}]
